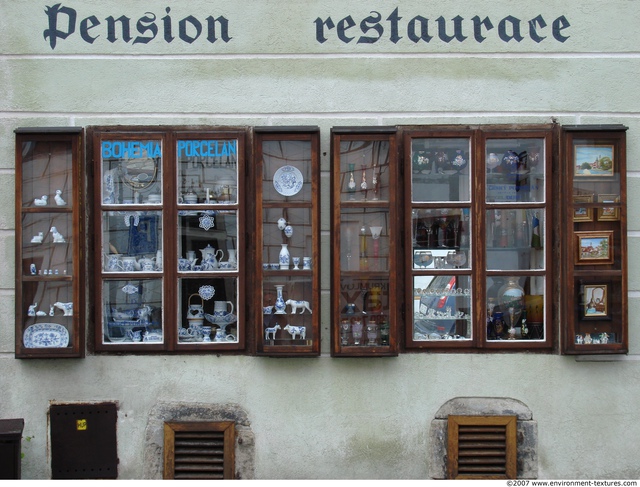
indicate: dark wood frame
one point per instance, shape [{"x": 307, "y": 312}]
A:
[
  {"x": 478, "y": 207},
  {"x": 310, "y": 134},
  {"x": 614, "y": 272},
  {"x": 385, "y": 134},
  {"x": 74, "y": 212},
  {"x": 169, "y": 209}
]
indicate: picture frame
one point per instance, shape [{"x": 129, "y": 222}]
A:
[
  {"x": 594, "y": 248},
  {"x": 582, "y": 213},
  {"x": 594, "y": 303},
  {"x": 594, "y": 161},
  {"x": 608, "y": 213}
]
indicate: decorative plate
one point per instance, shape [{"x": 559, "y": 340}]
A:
[
  {"x": 46, "y": 335},
  {"x": 206, "y": 292},
  {"x": 288, "y": 180}
]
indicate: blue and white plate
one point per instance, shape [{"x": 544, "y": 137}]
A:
[
  {"x": 46, "y": 335},
  {"x": 288, "y": 180}
]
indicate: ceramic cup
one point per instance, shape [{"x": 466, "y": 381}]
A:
[{"x": 306, "y": 263}]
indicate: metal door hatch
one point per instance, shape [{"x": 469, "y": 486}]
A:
[{"x": 83, "y": 441}]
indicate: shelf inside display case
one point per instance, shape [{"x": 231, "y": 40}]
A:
[{"x": 49, "y": 271}]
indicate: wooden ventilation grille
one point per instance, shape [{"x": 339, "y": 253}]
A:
[
  {"x": 199, "y": 450},
  {"x": 482, "y": 447}
]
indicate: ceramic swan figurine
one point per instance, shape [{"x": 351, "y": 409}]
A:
[{"x": 41, "y": 201}]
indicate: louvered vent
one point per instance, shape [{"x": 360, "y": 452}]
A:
[
  {"x": 199, "y": 450},
  {"x": 482, "y": 447}
]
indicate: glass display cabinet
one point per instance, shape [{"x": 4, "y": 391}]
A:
[
  {"x": 364, "y": 214},
  {"x": 287, "y": 241},
  {"x": 171, "y": 251},
  {"x": 478, "y": 222},
  {"x": 49, "y": 242},
  {"x": 595, "y": 310}
]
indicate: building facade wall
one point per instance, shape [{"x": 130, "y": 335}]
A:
[{"x": 328, "y": 417}]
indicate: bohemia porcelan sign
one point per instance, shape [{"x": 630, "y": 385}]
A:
[{"x": 64, "y": 22}]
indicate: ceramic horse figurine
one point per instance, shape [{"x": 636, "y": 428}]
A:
[{"x": 271, "y": 331}]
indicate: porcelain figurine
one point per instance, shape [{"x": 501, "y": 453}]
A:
[
  {"x": 41, "y": 313},
  {"x": 51, "y": 310},
  {"x": 32, "y": 309},
  {"x": 288, "y": 231},
  {"x": 58, "y": 198},
  {"x": 57, "y": 236},
  {"x": 604, "y": 338},
  {"x": 282, "y": 223},
  {"x": 37, "y": 238},
  {"x": 41, "y": 201},
  {"x": 66, "y": 308},
  {"x": 273, "y": 330},
  {"x": 298, "y": 304},
  {"x": 294, "y": 331},
  {"x": 32, "y": 269},
  {"x": 587, "y": 338}
]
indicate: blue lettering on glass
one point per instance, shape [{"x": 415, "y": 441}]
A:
[
  {"x": 130, "y": 149},
  {"x": 207, "y": 148}
]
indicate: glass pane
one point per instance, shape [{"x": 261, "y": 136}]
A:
[
  {"x": 47, "y": 244},
  {"x": 287, "y": 238},
  {"x": 131, "y": 172},
  {"x": 599, "y": 314},
  {"x": 441, "y": 238},
  {"x": 132, "y": 311},
  {"x": 47, "y": 179},
  {"x": 48, "y": 305},
  {"x": 287, "y": 310},
  {"x": 207, "y": 171},
  {"x": 364, "y": 170},
  {"x": 364, "y": 240},
  {"x": 440, "y": 169},
  {"x": 515, "y": 239},
  {"x": 207, "y": 240},
  {"x": 442, "y": 308},
  {"x": 515, "y": 170},
  {"x": 286, "y": 170},
  {"x": 596, "y": 179},
  {"x": 515, "y": 308},
  {"x": 132, "y": 241},
  {"x": 208, "y": 310},
  {"x": 364, "y": 312}
]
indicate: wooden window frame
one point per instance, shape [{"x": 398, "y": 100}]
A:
[
  {"x": 510, "y": 425},
  {"x": 226, "y": 427}
]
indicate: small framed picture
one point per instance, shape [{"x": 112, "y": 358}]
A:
[
  {"x": 593, "y": 161},
  {"x": 608, "y": 213},
  {"x": 593, "y": 248},
  {"x": 595, "y": 301},
  {"x": 582, "y": 213}
]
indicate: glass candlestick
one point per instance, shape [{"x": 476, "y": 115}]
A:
[{"x": 364, "y": 259}]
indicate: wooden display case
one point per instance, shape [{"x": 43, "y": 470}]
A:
[
  {"x": 286, "y": 304},
  {"x": 595, "y": 224},
  {"x": 49, "y": 243},
  {"x": 170, "y": 250},
  {"x": 478, "y": 220},
  {"x": 365, "y": 226}
]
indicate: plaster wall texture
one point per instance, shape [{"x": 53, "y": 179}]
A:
[{"x": 327, "y": 417}]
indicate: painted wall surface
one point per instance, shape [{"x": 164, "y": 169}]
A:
[{"x": 328, "y": 417}]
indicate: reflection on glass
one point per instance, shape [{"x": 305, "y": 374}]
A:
[
  {"x": 131, "y": 171},
  {"x": 442, "y": 308},
  {"x": 364, "y": 307},
  {"x": 132, "y": 241},
  {"x": 440, "y": 169},
  {"x": 364, "y": 240},
  {"x": 207, "y": 240},
  {"x": 515, "y": 308},
  {"x": 515, "y": 170},
  {"x": 207, "y": 171},
  {"x": 287, "y": 308},
  {"x": 132, "y": 311},
  {"x": 514, "y": 239}
]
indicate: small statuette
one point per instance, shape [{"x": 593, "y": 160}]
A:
[
  {"x": 294, "y": 331},
  {"x": 304, "y": 305},
  {"x": 57, "y": 236},
  {"x": 32, "y": 309},
  {"x": 41, "y": 201},
  {"x": 41, "y": 313},
  {"x": 604, "y": 338},
  {"x": 58, "y": 198},
  {"x": 32, "y": 269},
  {"x": 288, "y": 231},
  {"x": 587, "y": 339},
  {"x": 66, "y": 308},
  {"x": 282, "y": 223},
  {"x": 37, "y": 238},
  {"x": 51, "y": 310}
]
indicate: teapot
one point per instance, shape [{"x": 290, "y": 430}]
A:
[
  {"x": 130, "y": 264},
  {"x": 210, "y": 257},
  {"x": 146, "y": 264}
]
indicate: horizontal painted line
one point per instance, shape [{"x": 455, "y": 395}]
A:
[{"x": 334, "y": 55}]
